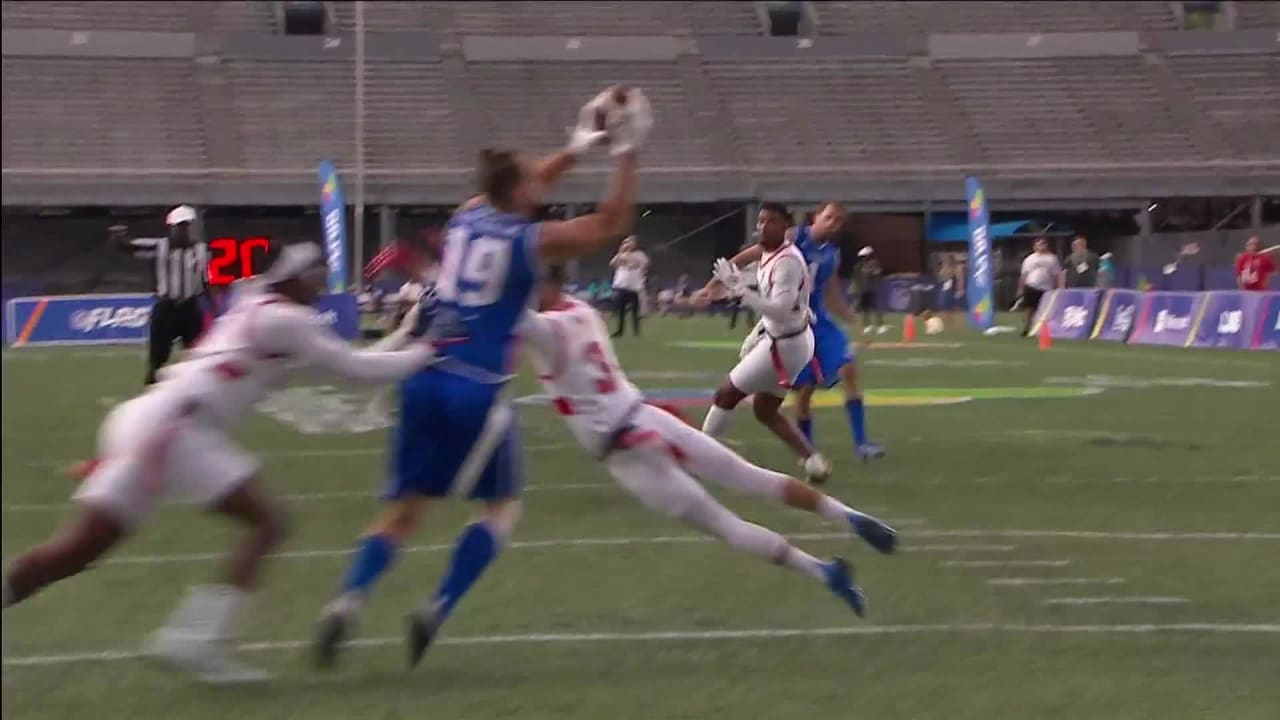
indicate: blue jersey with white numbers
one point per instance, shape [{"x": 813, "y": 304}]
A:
[
  {"x": 487, "y": 279},
  {"x": 823, "y": 260}
]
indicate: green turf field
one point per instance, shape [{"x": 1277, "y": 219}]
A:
[{"x": 1089, "y": 532}]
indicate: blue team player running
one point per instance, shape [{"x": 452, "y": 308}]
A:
[
  {"x": 456, "y": 433},
  {"x": 835, "y": 362}
]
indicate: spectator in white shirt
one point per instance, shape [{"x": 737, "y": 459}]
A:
[
  {"x": 1040, "y": 272},
  {"x": 630, "y": 266}
]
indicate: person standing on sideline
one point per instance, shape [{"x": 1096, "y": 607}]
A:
[
  {"x": 1082, "y": 266},
  {"x": 1255, "y": 266},
  {"x": 630, "y": 265},
  {"x": 181, "y": 284},
  {"x": 868, "y": 273},
  {"x": 1040, "y": 272}
]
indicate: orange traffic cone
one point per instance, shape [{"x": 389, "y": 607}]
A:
[
  {"x": 1046, "y": 339},
  {"x": 909, "y": 329}
]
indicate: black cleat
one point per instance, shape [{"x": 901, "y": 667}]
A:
[
  {"x": 331, "y": 633},
  {"x": 423, "y": 626},
  {"x": 876, "y": 534}
]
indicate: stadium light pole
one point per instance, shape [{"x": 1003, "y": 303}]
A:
[{"x": 357, "y": 252}]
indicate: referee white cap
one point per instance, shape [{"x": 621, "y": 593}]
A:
[
  {"x": 293, "y": 261},
  {"x": 865, "y": 251},
  {"x": 179, "y": 215}
]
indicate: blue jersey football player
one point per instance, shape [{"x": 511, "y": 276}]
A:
[
  {"x": 456, "y": 434},
  {"x": 834, "y": 360}
]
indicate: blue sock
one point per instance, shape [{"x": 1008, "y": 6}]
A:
[
  {"x": 372, "y": 558},
  {"x": 806, "y": 427},
  {"x": 857, "y": 420},
  {"x": 475, "y": 549}
]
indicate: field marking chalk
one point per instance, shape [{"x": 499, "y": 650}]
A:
[
  {"x": 695, "y": 636},
  {"x": 1003, "y": 563},
  {"x": 1135, "y": 600},
  {"x": 1014, "y": 581}
]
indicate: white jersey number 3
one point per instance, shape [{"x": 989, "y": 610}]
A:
[{"x": 472, "y": 273}]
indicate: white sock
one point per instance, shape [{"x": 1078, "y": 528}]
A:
[
  {"x": 209, "y": 611},
  {"x": 801, "y": 561},
  {"x": 717, "y": 421},
  {"x": 836, "y": 511}
]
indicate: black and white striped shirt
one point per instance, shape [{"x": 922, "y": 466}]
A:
[{"x": 181, "y": 272}]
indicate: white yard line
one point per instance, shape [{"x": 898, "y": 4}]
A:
[
  {"x": 698, "y": 636},
  {"x": 539, "y": 544},
  {"x": 1132, "y": 600},
  {"x": 319, "y": 452},
  {"x": 1003, "y": 563},
  {"x": 1017, "y": 581}
]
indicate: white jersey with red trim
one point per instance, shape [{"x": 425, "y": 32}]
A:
[
  {"x": 253, "y": 347},
  {"x": 783, "y": 279},
  {"x": 578, "y": 368}
]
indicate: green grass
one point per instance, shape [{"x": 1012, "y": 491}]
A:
[{"x": 1018, "y": 473}]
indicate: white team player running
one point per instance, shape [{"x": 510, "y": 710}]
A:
[
  {"x": 780, "y": 346},
  {"x": 170, "y": 443},
  {"x": 654, "y": 455}
]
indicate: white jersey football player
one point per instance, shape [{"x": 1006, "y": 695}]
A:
[
  {"x": 654, "y": 455},
  {"x": 781, "y": 344},
  {"x": 171, "y": 444}
]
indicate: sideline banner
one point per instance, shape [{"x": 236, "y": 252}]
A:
[
  {"x": 123, "y": 318},
  {"x": 1167, "y": 318},
  {"x": 979, "y": 288},
  {"x": 1069, "y": 313},
  {"x": 1116, "y": 314}
]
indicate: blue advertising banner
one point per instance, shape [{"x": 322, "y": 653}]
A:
[
  {"x": 1226, "y": 320},
  {"x": 979, "y": 288},
  {"x": 1116, "y": 314},
  {"x": 1167, "y": 318},
  {"x": 333, "y": 216},
  {"x": 113, "y": 319},
  {"x": 1266, "y": 334},
  {"x": 1069, "y": 313}
]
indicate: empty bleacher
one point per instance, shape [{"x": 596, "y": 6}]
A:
[
  {"x": 828, "y": 112},
  {"x": 1240, "y": 94},
  {"x": 291, "y": 115},
  {"x": 836, "y": 18},
  {"x": 95, "y": 15},
  {"x": 101, "y": 113},
  {"x": 1257, "y": 14},
  {"x": 1056, "y": 111},
  {"x": 409, "y": 122}
]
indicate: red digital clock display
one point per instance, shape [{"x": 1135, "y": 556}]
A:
[{"x": 231, "y": 259}]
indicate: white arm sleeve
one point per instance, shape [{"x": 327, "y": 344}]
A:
[
  {"x": 788, "y": 278},
  {"x": 304, "y": 337},
  {"x": 545, "y": 338}
]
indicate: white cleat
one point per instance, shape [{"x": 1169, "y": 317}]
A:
[
  {"x": 817, "y": 469},
  {"x": 202, "y": 657},
  {"x": 882, "y": 330}
]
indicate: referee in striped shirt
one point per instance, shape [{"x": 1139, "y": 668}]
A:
[{"x": 181, "y": 289}]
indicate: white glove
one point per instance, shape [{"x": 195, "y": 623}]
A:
[
  {"x": 728, "y": 275},
  {"x": 585, "y": 134},
  {"x": 635, "y": 120}
]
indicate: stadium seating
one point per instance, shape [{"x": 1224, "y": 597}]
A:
[
  {"x": 101, "y": 113},
  {"x": 1055, "y": 111},
  {"x": 286, "y": 116},
  {"x": 95, "y": 15},
  {"x": 836, "y": 18},
  {"x": 873, "y": 113},
  {"x": 1257, "y": 14},
  {"x": 1239, "y": 93}
]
